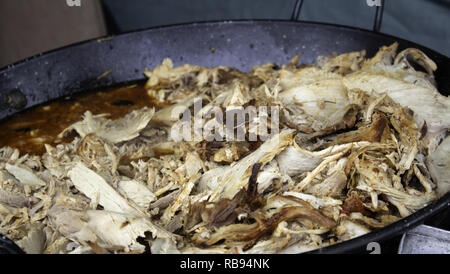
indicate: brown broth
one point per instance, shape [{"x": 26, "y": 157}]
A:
[{"x": 30, "y": 130}]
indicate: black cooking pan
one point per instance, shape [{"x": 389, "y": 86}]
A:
[{"x": 239, "y": 44}]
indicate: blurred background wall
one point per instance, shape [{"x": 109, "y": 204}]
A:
[{"x": 28, "y": 27}]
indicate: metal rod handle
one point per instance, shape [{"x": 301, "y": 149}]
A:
[
  {"x": 378, "y": 17},
  {"x": 297, "y": 9}
]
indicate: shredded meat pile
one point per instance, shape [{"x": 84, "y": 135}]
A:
[{"x": 361, "y": 143}]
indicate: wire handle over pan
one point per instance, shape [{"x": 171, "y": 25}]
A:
[{"x": 378, "y": 17}]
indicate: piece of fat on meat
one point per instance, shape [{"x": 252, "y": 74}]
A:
[
  {"x": 115, "y": 131},
  {"x": 25, "y": 175},
  {"x": 96, "y": 188},
  {"x": 137, "y": 192},
  {"x": 439, "y": 167}
]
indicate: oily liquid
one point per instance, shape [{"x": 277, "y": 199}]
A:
[{"x": 30, "y": 130}]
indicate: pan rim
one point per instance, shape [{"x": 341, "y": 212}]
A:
[{"x": 217, "y": 22}]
